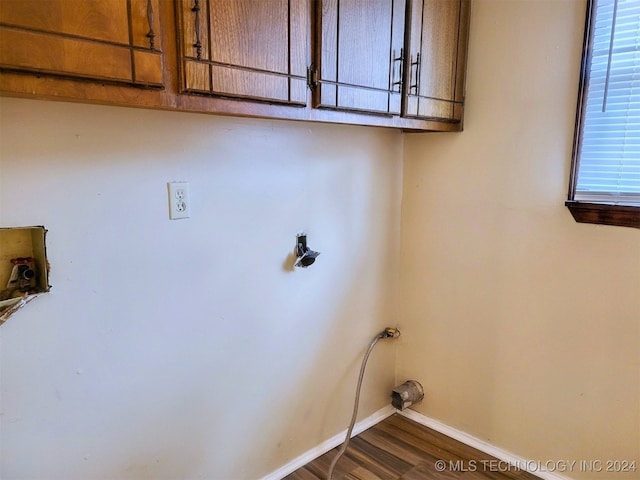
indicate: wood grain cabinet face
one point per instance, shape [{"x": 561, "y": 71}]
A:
[
  {"x": 114, "y": 41},
  {"x": 389, "y": 63},
  {"x": 358, "y": 55},
  {"x": 436, "y": 59},
  {"x": 254, "y": 49}
]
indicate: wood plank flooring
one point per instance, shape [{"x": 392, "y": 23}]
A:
[{"x": 400, "y": 449}]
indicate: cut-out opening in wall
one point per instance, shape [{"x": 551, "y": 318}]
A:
[{"x": 24, "y": 268}]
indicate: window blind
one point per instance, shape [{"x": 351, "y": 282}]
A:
[{"x": 609, "y": 150}]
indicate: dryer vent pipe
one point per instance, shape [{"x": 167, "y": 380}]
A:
[{"x": 407, "y": 394}]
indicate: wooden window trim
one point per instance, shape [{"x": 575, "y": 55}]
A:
[
  {"x": 586, "y": 212},
  {"x": 605, "y": 214}
]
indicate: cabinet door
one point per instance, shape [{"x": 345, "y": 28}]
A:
[
  {"x": 358, "y": 55},
  {"x": 256, "y": 49},
  {"x": 101, "y": 40},
  {"x": 436, "y": 59}
]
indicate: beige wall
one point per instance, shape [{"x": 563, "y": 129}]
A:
[
  {"x": 523, "y": 325},
  {"x": 189, "y": 349}
]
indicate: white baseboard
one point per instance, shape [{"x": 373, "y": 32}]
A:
[
  {"x": 327, "y": 445},
  {"x": 531, "y": 466}
]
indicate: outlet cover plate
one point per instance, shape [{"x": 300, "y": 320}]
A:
[{"x": 179, "y": 201}]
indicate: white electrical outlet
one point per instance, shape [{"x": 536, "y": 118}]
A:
[{"x": 179, "y": 203}]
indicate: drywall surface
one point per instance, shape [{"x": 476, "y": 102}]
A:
[
  {"x": 190, "y": 348},
  {"x": 523, "y": 326}
]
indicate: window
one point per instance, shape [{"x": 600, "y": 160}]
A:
[{"x": 605, "y": 176}]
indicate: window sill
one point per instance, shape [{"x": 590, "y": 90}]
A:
[{"x": 605, "y": 214}]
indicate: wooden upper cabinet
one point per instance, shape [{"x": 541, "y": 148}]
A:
[
  {"x": 358, "y": 55},
  {"x": 389, "y": 63},
  {"x": 113, "y": 41},
  {"x": 436, "y": 59},
  {"x": 253, "y": 49}
]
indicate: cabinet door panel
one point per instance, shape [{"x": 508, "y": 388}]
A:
[
  {"x": 145, "y": 24},
  {"x": 461, "y": 59},
  {"x": 251, "y": 34},
  {"x": 47, "y": 54},
  {"x": 358, "y": 54},
  {"x": 251, "y": 84},
  {"x": 103, "y": 40},
  {"x": 436, "y": 58},
  {"x": 100, "y": 19},
  {"x": 252, "y": 48},
  {"x": 148, "y": 68},
  {"x": 197, "y": 76}
]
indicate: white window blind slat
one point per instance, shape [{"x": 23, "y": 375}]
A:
[{"x": 609, "y": 155}]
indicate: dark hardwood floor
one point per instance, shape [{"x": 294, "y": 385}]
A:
[{"x": 400, "y": 449}]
